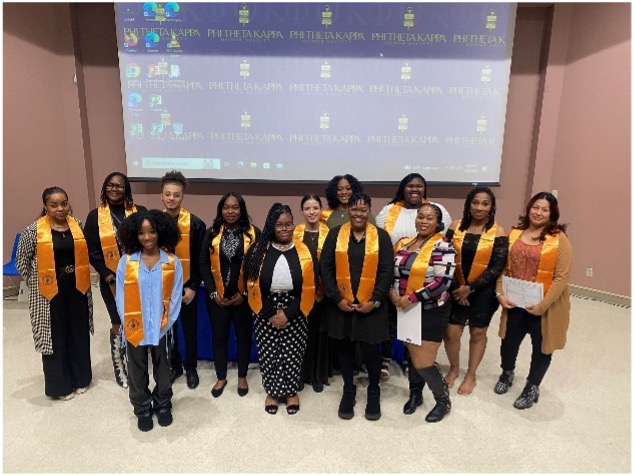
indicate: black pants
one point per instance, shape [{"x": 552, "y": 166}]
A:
[
  {"x": 520, "y": 323},
  {"x": 68, "y": 367},
  {"x": 371, "y": 355},
  {"x": 316, "y": 365},
  {"x": 221, "y": 319},
  {"x": 139, "y": 379},
  {"x": 109, "y": 301},
  {"x": 188, "y": 319}
]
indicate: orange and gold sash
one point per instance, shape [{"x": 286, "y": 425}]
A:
[
  {"x": 393, "y": 215},
  {"x": 298, "y": 235},
  {"x": 307, "y": 298},
  {"x": 183, "y": 246},
  {"x": 107, "y": 235},
  {"x": 369, "y": 269},
  {"x": 133, "y": 330},
  {"x": 481, "y": 258},
  {"x": 324, "y": 216},
  {"x": 548, "y": 257},
  {"x": 214, "y": 257},
  {"x": 417, "y": 277},
  {"x": 47, "y": 278}
]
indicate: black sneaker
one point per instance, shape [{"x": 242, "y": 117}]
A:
[
  {"x": 144, "y": 421},
  {"x": 191, "y": 376},
  {"x": 175, "y": 373},
  {"x": 164, "y": 415}
]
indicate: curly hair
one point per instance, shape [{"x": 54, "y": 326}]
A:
[
  {"x": 244, "y": 222},
  {"x": 400, "y": 195},
  {"x": 174, "y": 177},
  {"x": 330, "y": 192},
  {"x": 357, "y": 197},
  {"x": 47, "y": 193},
  {"x": 167, "y": 230},
  {"x": 553, "y": 227},
  {"x": 310, "y": 196},
  {"x": 466, "y": 220},
  {"x": 256, "y": 253},
  {"x": 127, "y": 202}
]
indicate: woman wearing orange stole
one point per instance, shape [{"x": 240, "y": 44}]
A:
[
  {"x": 52, "y": 258},
  {"x": 105, "y": 250},
  {"x": 281, "y": 282},
  {"x": 356, "y": 268},
  {"x": 424, "y": 268},
  {"x": 338, "y": 191},
  {"x": 539, "y": 251},
  {"x": 481, "y": 252},
  {"x": 316, "y": 368}
]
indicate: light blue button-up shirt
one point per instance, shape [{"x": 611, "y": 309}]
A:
[{"x": 151, "y": 293}]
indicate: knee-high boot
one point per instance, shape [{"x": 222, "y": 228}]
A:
[
  {"x": 118, "y": 360},
  {"x": 436, "y": 382}
]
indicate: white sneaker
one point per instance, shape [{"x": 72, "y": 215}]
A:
[
  {"x": 80, "y": 391},
  {"x": 385, "y": 369},
  {"x": 70, "y": 396}
]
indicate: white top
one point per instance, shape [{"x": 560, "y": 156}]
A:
[
  {"x": 281, "y": 280},
  {"x": 405, "y": 224}
]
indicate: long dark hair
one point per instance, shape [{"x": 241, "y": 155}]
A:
[
  {"x": 243, "y": 222},
  {"x": 310, "y": 196},
  {"x": 167, "y": 230},
  {"x": 466, "y": 221},
  {"x": 256, "y": 253},
  {"x": 127, "y": 201},
  {"x": 553, "y": 227},
  {"x": 402, "y": 187},
  {"x": 47, "y": 193},
  {"x": 330, "y": 192}
]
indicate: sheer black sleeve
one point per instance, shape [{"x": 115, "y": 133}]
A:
[{"x": 496, "y": 264}]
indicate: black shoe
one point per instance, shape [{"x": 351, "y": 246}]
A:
[
  {"x": 504, "y": 382},
  {"x": 318, "y": 387},
  {"x": 373, "y": 408},
  {"x": 242, "y": 391},
  {"x": 144, "y": 421},
  {"x": 164, "y": 415},
  {"x": 528, "y": 397},
  {"x": 191, "y": 376},
  {"x": 415, "y": 400},
  {"x": 440, "y": 410},
  {"x": 345, "y": 411},
  {"x": 175, "y": 373},
  {"x": 217, "y": 392}
]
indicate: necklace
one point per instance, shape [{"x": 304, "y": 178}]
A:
[
  {"x": 312, "y": 234},
  {"x": 283, "y": 248},
  {"x": 416, "y": 242}
]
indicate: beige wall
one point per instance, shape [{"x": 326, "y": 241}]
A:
[{"x": 567, "y": 125}]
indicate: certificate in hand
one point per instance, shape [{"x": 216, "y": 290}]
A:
[
  {"x": 522, "y": 293},
  {"x": 409, "y": 325}
]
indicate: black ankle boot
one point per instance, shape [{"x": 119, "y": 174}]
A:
[
  {"x": 373, "y": 407},
  {"x": 528, "y": 397},
  {"x": 504, "y": 382},
  {"x": 347, "y": 404},
  {"x": 436, "y": 382},
  {"x": 118, "y": 361},
  {"x": 415, "y": 400}
]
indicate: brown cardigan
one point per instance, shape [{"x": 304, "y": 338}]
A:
[{"x": 555, "y": 305}]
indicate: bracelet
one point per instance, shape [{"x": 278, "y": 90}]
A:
[
  {"x": 498, "y": 294},
  {"x": 213, "y": 295}
]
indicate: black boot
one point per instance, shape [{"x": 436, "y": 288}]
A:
[
  {"x": 347, "y": 403},
  {"x": 373, "y": 407},
  {"x": 416, "y": 384},
  {"x": 504, "y": 382},
  {"x": 528, "y": 397},
  {"x": 118, "y": 360},
  {"x": 439, "y": 388}
]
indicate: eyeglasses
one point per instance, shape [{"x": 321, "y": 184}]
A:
[
  {"x": 284, "y": 226},
  {"x": 115, "y": 186}
]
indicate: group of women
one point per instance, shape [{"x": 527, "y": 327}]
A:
[{"x": 315, "y": 291}]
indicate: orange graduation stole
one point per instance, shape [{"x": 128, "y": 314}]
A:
[
  {"x": 548, "y": 257},
  {"x": 182, "y": 250},
  {"x": 307, "y": 298},
  {"x": 481, "y": 258},
  {"x": 393, "y": 215},
  {"x": 133, "y": 330},
  {"x": 369, "y": 268},
  {"x": 417, "y": 277},
  {"x": 214, "y": 257},
  {"x": 298, "y": 235},
  {"x": 47, "y": 278},
  {"x": 325, "y": 214},
  {"x": 107, "y": 235}
]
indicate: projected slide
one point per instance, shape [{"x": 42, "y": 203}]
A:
[{"x": 305, "y": 91}]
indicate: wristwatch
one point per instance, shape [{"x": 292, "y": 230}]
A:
[{"x": 377, "y": 304}]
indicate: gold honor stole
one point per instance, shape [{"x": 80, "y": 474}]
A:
[
  {"x": 133, "y": 320},
  {"x": 324, "y": 216},
  {"x": 481, "y": 258},
  {"x": 298, "y": 235},
  {"x": 107, "y": 235},
  {"x": 369, "y": 268},
  {"x": 182, "y": 250},
  {"x": 417, "y": 277},
  {"x": 393, "y": 215},
  {"x": 215, "y": 260},
  {"x": 47, "y": 278},
  {"x": 548, "y": 257},
  {"x": 307, "y": 298}
]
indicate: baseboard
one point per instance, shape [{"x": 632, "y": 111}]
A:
[{"x": 597, "y": 295}]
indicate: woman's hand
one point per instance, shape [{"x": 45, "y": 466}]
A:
[
  {"x": 506, "y": 303},
  {"x": 404, "y": 303},
  {"x": 346, "y": 306},
  {"x": 534, "y": 310},
  {"x": 365, "y": 308},
  {"x": 221, "y": 301},
  {"x": 463, "y": 302},
  {"x": 279, "y": 320},
  {"x": 393, "y": 296},
  {"x": 236, "y": 299},
  {"x": 188, "y": 295},
  {"x": 461, "y": 293}
]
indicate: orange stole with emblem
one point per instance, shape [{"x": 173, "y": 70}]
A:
[
  {"x": 369, "y": 268},
  {"x": 214, "y": 258},
  {"x": 548, "y": 258},
  {"x": 47, "y": 277},
  {"x": 107, "y": 235},
  {"x": 307, "y": 298},
  {"x": 417, "y": 277},
  {"x": 133, "y": 320},
  {"x": 182, "y": 250},
  {"x": 483, "y": 254},
  {"x": 298, "y": 235}
]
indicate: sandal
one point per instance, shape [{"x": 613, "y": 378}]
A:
[
  {"x": 272, "y": 408},
  {"x": 293, "y": 408}
]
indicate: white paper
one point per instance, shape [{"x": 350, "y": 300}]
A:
[
  {"x": 409, "y": 325},
  {"x": 522, "y": 293}
]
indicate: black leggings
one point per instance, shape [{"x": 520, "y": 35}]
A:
[
  {"x": 520, "y": 323},
  {"x": 371, "y": 354}
]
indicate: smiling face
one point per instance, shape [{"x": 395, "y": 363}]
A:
[
  {"x": 116, "y": 190},
  {"x": 358, "y": 215},
  {"x": 539, "y": 213},
  {"x": 344, "y": 192},
  {"x": 480, "y": 206},
  {"x": 172, "y": 197},
  {"x": 231, "y": 211},
  {"x": 413, "y": 192},
  {"x": 57, "y": 207},
  {"x": 283, "y": 228},
  {"x": 148, "y": 237},
  {"x": 426, "y": 222},
  {"x": 311, "y": 211}
]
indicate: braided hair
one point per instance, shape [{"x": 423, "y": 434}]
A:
[
  {"x": 330, "y": 192},
  {"x": 127, "y": 202},
  {"x": 466, "y": 220},
  {"x": 256, "y": 253},
  {"x": 400, "y": 195}
]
